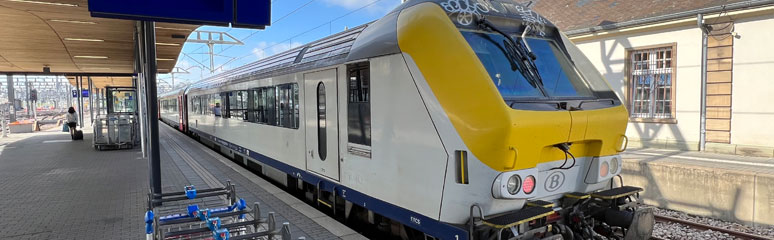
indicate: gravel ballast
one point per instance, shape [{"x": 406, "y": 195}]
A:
[{"x": 679, "y": 231}]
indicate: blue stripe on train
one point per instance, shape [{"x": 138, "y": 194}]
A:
[{"x": 407, "y": 217}]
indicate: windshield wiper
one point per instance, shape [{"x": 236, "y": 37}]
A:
[
  {"x": 526, "y": 44},
  {"x": 526, "y": 59}
]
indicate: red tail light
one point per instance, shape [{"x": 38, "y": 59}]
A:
[{"x": 529, "y": 184}]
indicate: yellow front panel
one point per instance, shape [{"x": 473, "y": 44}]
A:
[
  {"x": 454, "y": 73},
  {"x": 500, "y": 137}
]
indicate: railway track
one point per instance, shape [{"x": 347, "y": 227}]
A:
[{"x": 704, "y": 227}]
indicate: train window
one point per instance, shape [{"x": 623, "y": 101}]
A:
[
  {"x": 322, "y": 146},
  {"x": 165, "y": 106},
  {"x": 277, "y": 106},
  {"x": 197, "y": 105},
  {"x": 215, "y": 107},
  {"x": 206, "y": 108},
  {"x": 203, "y": 103},
  {"x": 282, "y": 105},
  {"x": 359, "y": 104},
  {"x": 256, "y": 109},
  {"x": 224, "y": 106},
  {"x": 288, "y": 105},
  {"x": 264, "y": 104},
  {"x": 194, "y": 106},
  {"x": 237, "y": 104}
]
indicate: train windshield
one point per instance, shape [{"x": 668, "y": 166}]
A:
[{"x": 558, "y": 78}]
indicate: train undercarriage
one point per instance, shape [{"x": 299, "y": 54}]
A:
[{"x": 608, "y": 214}]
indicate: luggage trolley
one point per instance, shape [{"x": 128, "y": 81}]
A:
[
  {"x": 114, "y": 131},
  {"x": 117, "y": 128},
  {"x": 214, "y": 213}
]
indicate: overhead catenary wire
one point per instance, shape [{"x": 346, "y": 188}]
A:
[
  {"x": 257, "y": 31},
  {"x": 274, "y": 22},
  {"x": 304, "y": 32}
]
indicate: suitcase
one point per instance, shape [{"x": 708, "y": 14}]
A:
[{"x": 78, "y": 135}]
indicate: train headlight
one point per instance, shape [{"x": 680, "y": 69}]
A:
[
  {"x": 604, "y": 169},
  {"x": 514, "y": 184},
  {"x": 529, "y": 184}
]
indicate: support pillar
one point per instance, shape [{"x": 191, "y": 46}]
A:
[
  {"x": 79, "y": 82},
  {"x": 91, "y": 101},
  {"x": 148, "y": 50},
  {"x": 69, "y": 95},
  {"x": 11, "y": 99},
  {"x": 34, "y": 102},
  {"x": 27, "y": 95}
]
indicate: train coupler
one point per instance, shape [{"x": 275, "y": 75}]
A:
[{"x": 614, "y": 213}]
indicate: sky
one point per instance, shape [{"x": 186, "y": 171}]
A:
[{"x": 294, "y": 23}]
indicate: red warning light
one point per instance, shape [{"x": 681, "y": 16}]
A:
[{"x": 529, "y": 184}]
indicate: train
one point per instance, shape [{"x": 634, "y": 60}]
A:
[{"x": 444, "y": 119}]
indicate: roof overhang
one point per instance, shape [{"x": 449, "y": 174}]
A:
[
  {"x": 667, "y": 22},
  {"x": 61, "y": 35},
  {"x": 103, "y": 82}
]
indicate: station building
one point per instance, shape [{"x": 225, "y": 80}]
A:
[{"x": 651, "y": 53}]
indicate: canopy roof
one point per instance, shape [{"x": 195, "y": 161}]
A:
[{"x": 62, "y": 35}]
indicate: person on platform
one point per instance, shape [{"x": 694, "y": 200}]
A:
[
  {"x": 216, "y": 109},
  {"x": 72, "y": 120}
]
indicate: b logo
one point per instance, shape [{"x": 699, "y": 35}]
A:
[{"x": 554, "y": 181}]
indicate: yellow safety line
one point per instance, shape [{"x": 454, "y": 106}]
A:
[
  {"x": 615, "y": 196},
  {"x": 576, "y": 196},
  {"x": 519, "y": 222},
  {"x": 550, "y": 204},
  {"x": 462, "y": 167},
  {"x": 324, "y": 203}
]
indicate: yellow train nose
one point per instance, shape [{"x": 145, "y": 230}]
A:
[
  {"x": 591, "y": 133},
  {"x": 497, "y": 135}
]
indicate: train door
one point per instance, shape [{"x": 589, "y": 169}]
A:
[
  {"x": 181, "y": 113},
  {"x": 322, "y": 134}
]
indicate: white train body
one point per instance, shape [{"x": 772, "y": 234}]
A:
[{"x": 415, "y": 166}]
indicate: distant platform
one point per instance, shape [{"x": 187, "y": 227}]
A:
[
  {"x": 728, "y": 187},
  {"x": 57, "y": 188}
]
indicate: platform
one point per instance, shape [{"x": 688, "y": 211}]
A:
[
  {"x": 56, "y": 188},
  {"x": 728, "y": 187}
]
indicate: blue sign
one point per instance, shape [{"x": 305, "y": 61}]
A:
[
  {"x": 84, "y": 93},
  {"x": 238, "y": 13}
]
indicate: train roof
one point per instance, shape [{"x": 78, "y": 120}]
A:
[
  {"x": 324, "y": 52},
  {"x": 377, "y": 38},
  {"x": 173, "y": 92}
]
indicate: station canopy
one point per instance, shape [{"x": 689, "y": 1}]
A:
[{"x": 62, "y": 35}]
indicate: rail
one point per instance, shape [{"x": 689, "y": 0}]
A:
[{"x": 699, "y": 226}]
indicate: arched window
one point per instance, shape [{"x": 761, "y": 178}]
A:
[{"x": 322, "y": 146}]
